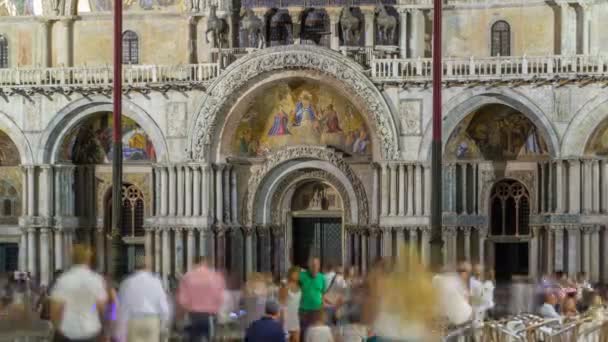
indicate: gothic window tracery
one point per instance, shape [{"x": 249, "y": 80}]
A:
[
  {"x": 510, "y": 209},
  {"x": 501, "y": 39},
  {"x": 132, "y": 211},
  {"x": 130, "y": 48},
  {"x": 3, "y": 52},
  {"x": 8, "y": 200}
]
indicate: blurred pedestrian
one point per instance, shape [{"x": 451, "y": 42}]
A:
[
  {"x": 144, "y": 307},
  {"x": 312, "y": 284},
  {"x": 268, "y": 328},
  {"x": 200, "y": 295},
  {"x": 78, "y": 300},
  {"x": 319, "y": 331},
  {"x": 291, "y": 295}
]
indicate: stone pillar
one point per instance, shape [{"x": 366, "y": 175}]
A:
[
  {"x": 31, "y": 190},
  {"x": 559, "y": 248},
  {"x": 68, "y": 241},
  {"x": 179, "y": 181},
  {"x": 595, "y": 172},
  {"x": 586, "y": 26},
  {"x": 559, "y": 186},
  {"x": 403, "y": 12},
  {"x": 413, "y": 231},
  {"x": 164, "y": 191},
  {"x": 166, "y": 255},
  {"x": 45, "y": 43},
  {"x": 148, "y": 245},
  {"x": 191, "y": 37},
  {"x": 206, "y": 191},
  {"x": 387, "y": 242},
  {"x": 425, "y": 248},
  {"x": 566, "y": 29},
  {"x": 586, "y": 252},
  {"x": 483, "y": 235},
  {"x": 402, "y": 190},
  {"x": 296, "y": 23},
  {"x": 45, "y": 257},
  {"x": 179, "y": 250},
  {"x": 46, "y": 191},
  {"x": 278, "y": 250},
  {"x": 418, "y": 28},
  {"x": 65, "y": 52},
  {"x": 466, "y": 231},
  {"x": 31, "y": 250},
  {"x": 427, "y": 190},
  {"x": 594, "y": 273},
  {"x": 190, "y": 246},
  {"x": 533, "y": 266},
  {"x": 206, "y": 244},
  {"x": 463, "y": 184},
  {"x": 172, "y": 191},
  {"x": 384, "y": 190},
  {"x": 418, "y": 190},
  {"x": 549, "y": 255},
  {"x": 373, "y": 244},
  {"x": 410, "y": 190},
  {"x": 364, "y": 249},
  {"x": 157, "y": 251},
  {"x": 375, "y": 195},
  {"x": 59, "y": 250},
  {"x": 446, "y": 235},
  {"x": 23, "y": 249},
  {"x": 393, "y": 189},
  {"x": 573, "y": 251},
  {"x": 400, "y": 245},
  {"x": 369, "y": 15},
  {"x": 219, "y": 193},
  {"x": 100, "y": 248},
  {"x": 264, "y": 248},
  {"x": 604, "y": 255},
  {"x": 575, "y": 185},
  {"x": 587, "y": 186},
  {"x": 196, "y": 190},
  {"x": 233, "y": 196},
  {"x": 227, "y": 218},
  {"x": 188, "y": 190},
  {"x": 334, "y": 20},
  {"x": 248, "y": 235},
  {"x": 604, "y": 187},
  {"x": 24, "y": 192}
]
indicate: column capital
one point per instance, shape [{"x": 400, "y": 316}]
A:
[
  {"x": 368, "y": 10},
  {"x": 296, "y": 14},
  {"x": 219, "y": 167},
  {"x": 247, "y": 230},
  {"x": 277, "y": 230},
  {"x": 573, "y": 229},
  {"x": 466, "y": 230},
  {"x": 262, "y": 230},
  {"x": 44, "y": 230},
  {"x": 412, "y": 230}
]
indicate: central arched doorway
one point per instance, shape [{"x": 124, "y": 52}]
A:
[
  {"x": 509, "y": 229},
  {"x": 316, "y": 224}
]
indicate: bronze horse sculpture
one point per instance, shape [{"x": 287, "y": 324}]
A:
[
  {"x": 350, "y": 26},
  {"x": 386, "y": 24},
  {"x": 254, "y": 27},
  {"x": 216, "y": 26}
]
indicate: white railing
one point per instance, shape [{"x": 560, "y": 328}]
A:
[
  {"x": 102, "y": 75},
  {"x": 489, "y": 68}
]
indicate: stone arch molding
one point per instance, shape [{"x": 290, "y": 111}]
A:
[
  {"x": 297, "y": 177},
  {"x": 8, "y": 126},
  {"x": 328, "y": 62},
  {"x": 282, "y": 165},
  {"x": 583, "y": 125}
]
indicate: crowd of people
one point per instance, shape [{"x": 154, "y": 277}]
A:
[{"x": 390, "y": 302}]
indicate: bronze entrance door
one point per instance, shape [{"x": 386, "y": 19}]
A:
[{"x": 316, "y": 236}]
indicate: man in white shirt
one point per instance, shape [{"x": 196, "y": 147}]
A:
[
  {"x": 144, "y": 306},
  {"x": 547, "y": 310},
  {"x": 78, "y": 300}
]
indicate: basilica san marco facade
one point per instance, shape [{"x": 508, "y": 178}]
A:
[{"x": 266, "y": 132}]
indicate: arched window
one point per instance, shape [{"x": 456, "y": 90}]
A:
[
  {"x": 501, "y": 39},
  {"x": 280, "y": 29},
  {"x": 3, "y": 52},
  {"x": 510, "y": 209},
  {"x": 132, "y": 211},
  {"x": 130, "y": 48},
  {"x": 8, "y": 200}
]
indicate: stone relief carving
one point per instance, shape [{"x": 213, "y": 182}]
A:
[
  {"x": 296, "y": 177},
  {"x": 32, "y": 118},
  {"x": 176, "y": 119},
  {"x": 301, "y": 152},
  {"x": 410, "y": 116},
  {"x": 288, "y": 57}
]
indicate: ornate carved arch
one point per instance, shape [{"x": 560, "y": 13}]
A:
[
  {"x": 328, "y": 62},
  {"x": 296, "y": 177},
  {"x": 264, "y": 172}
]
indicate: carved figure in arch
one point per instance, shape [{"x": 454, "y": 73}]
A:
[
  {"x": 350, "y": 25},
  {"x": 217, "y": 26},
  {"x": 386, "y": 24},
  {"x": 254, "y": 27}
]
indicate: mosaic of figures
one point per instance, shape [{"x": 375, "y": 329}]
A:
[
  {"x": 91, "y": 142},
  {"x": 316, "y": 196},
  {"x": 134, "y": 5},
  {"x": 496, "y": 132},
  {"x": 598, "y": 143},
  {"x": 300, "y": 112},
  {"x": 9, "y": 155}
]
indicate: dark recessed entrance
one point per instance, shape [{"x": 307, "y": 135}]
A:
[
  {"x": 316, "y": 236},
  {"x": 511, "y": 258}
]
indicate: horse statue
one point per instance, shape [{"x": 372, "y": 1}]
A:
[
  {"x": 386, "y": 24},
  {"x": 254, "y": 27},
  {"x": 216, "y": 26},
  {"x": 350, "y": 26}
]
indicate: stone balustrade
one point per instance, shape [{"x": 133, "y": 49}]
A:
[{"x": 102, "y": 75}]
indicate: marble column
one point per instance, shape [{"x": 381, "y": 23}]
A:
[
  {"x": 172, "y": 191},
  {"x": 417, "y": 36},
  {"x": 180, "y": 193},
  {"x": 31, "y": 190},
  {"x": 296, "y": 22},
  {"x": 207, "y": 191},
  {"x": 375, "y": 192},
  {"x": 425, "y": 247},
  {"x": 573, "y": 251},
  {"x": 157, "y": 250},
  {"x": 393, "y": 189},
  {"x": 373, "y": 244},
  {"x": 166, "y": 255},
  {"x": 559, "y": 186},
  {"x": 100, "y": 249},
  {"x": 604, "y": 186},
  {"x": 400, "y": 245},
  {"x": 364, "y": 250},
  {"x": 387, "y": 242},
  {"x": 586, "y": 23},
  {"x": 59, "y": 249},
  {"x": 559, "y": 248},
  {"x": 483, "y": 235},
  {"x": 402, "y": 190},
  {"x": 219, "y": 193},
  {"x": 427, "y": 190},
  {"x": 164, "y": 191},
  {"x": 148, "y": 245},
  {"x": 190, "y": 246},
  {"x": 179, "y": 250},
  {"x": 23, "y": 249},
  {"x": 334, "y": 21},
  {"x": 595, "y": 173},
  {"x": 31, "y": 250},
  {"x": 575, "y": 185},
  {"x": 196, "y": 190},
  {"x": 466, "y": 231},
  {"x": 549, "y": 255},
  {"x": 418, "y": 190},
  {"x": 369, "y": 24},
  {"x": 604, "y": 255},
  {"x": 586, "y": 252},
  {"x": 403, "y": 12},
  {"x": 233, "y": 196},
  {"x": 226, "y": 196},
  {"x": 24, "y": 192},
  {"x": 566, "y": 29},
  {"x": 248, "y": 235},
  {"x": 46, "y": 191},
  {"x": 45, "y": 43},
  {"x": 264, "y": 248},
  {"x": 463, "y": 184},
  {"x": 68, "y": 244},
  {"x": 207, "y": 244},
  {"x": 188, "y": 191},
  {"x": 587, "y": 186},
  {"x": 542, "y": 191},
  {"x": 384, "y": 191},
  {"x": 65, "y": 52},
  {"x": 410, "y": 190},
  {"x": 594, "y": 273},
  {"x": 413, "y": 243},
  {"x": 533, "y": 259},
  {"x": 191, "y": 38},
  {"x": 45, "y": 257}
]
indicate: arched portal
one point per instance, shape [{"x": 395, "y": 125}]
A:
[{"x": 10, "y": 202}]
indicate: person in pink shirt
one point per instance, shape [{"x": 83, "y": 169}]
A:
[{"x": 200, "y": 295}]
